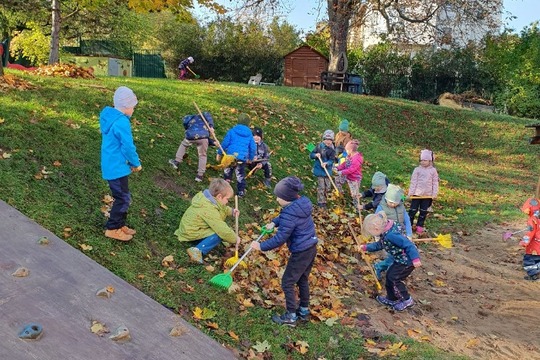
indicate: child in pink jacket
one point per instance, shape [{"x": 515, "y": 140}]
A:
[
  {"x": 424, "y": 188},
  {"x": 351, "y": 170}
]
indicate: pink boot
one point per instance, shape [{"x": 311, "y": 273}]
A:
[{"x": 419, "y": 230}]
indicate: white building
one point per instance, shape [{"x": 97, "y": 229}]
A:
[{"x": 447, "y": 25}]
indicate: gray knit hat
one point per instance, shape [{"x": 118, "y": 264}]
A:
[
  {"x": 124, "y": 98},
  {"x": 288, "y": 188},
  {"x": 379, "y": 179},
  {"x": 394, "y": 193},
  {"x": 328, "y": 135}
]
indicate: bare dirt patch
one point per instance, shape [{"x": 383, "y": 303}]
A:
[{"x": 471, "y": 299}]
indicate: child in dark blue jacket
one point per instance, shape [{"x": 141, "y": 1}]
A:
[
  {"x": 297, "y": 229},
  {"x": 324, "y": 155},
  {"x": 404, "y": 253},
  {"x": 196, "y": 134},
  {"x": 119, "y": 158},
  {"x": 239, "y": 142}
]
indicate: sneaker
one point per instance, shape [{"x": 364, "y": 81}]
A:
[
  {"x": 402, "y": 305},
  {"x": 118, "y": 234},
  {"x": 288, "y": 319},
  {"x": 267, "y": 183},
  {"x": 174, "y": 163},
  {"x": 532, "y": 277},
  {"x": 419, "y": 230},
  {"x": 241, "y": 193},
  {"x": 321, "y": 205},
  {"x": 302, "y": 314},
  {"x": 198, "y": 178},
  {"x": 385, "y": 301},
  {"x": 128, "y": 231},
  {"x": 195, "y": 255}
]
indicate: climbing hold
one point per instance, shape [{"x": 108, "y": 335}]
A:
[
  {"x": 21, "y": 272},
  {"x": 43, "y": 240},
  {"x": 121, "y": 334},
  {"x": 31, "y": 332},
  {"x": 103, "y": 293}
]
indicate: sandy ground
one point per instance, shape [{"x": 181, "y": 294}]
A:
[{"x": 471, "y": 300}]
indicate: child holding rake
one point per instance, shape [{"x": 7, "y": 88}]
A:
[
  {"x": 405, "y": 254},
  {"x": 297, "y": 229},
  {"x": 324, "y": 155}
]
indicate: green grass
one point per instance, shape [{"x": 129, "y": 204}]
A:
[{"x": 486, "y": 168}]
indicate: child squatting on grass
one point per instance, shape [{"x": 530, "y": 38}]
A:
[
  {"x": 204, "y": 221},
  {"x": 297, "y": 229},
  {"x": 425, "y": 187},
  {"x": 119, "y": 158},
  {"x": 379, "y": 184},
  {"x": 404, "y": 252}
]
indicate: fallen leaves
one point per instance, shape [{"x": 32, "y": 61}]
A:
[
  {"x": 203, "y": 314},
  {"x": 262, "y": 346},
  {"x": 65, "y": 70},
  {"x": 85, "y": 247}
]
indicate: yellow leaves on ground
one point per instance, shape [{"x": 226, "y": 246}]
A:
[
  {"x": 302, "y": 346},
  {"x": 42, "y": 174},
  {"x": 472, "y": 343},
  {"x": 262, "y": 346},
  {"x": 167, "y": 261},
  {"x": 67, "y": 232},
  {"x": 203, "y": 314},
  {"x": 163, "y": 206},
  {"x": 385, "y": 348},
  {"x": 233, "y": 335},
  {"x": 212, "y": 325},
  {"x": 57, "y": 163},
  {"x": 85, "y": 247}
]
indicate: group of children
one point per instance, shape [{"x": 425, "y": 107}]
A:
[{"x": 204, "y": 224}]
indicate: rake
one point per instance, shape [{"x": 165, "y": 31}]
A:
[
  {"x": 310, "y": 147},
  {"x": 226, "y": 160},
  {"x": 232, "y": 260},
  {"x": 444, "y": 240},
  {"x": 225, "y": 280},
  {"x": 365, "y": 258},
  {"x": 507, "y": 235},
  {"x": 196, "y": 76}
]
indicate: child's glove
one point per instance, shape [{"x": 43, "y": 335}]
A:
[
  {"x": 269, "y": 226},
  {"x": 416, "y": 263},
  {"x": 525, "y": 241}
]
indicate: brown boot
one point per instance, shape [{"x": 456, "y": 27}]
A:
[
  {"x": 118, "y": 234},
  {"x": 128, "y": 231}
]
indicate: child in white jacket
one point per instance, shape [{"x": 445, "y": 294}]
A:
[{"x": 423, "y": 189}]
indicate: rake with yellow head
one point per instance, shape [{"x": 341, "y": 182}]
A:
[
  {"x": 444, "y": 240},
  {"x": 232, "y": 260}
]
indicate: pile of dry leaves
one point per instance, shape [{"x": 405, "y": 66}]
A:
[
  {"x": 65, "y": 70},
  {"x": 9, "y": 81}
]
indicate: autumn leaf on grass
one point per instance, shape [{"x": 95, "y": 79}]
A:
[
  {"x": 330, "y": 322},
  {"x": 67, "y": 232},
  {"x": 303, "y": 346},
  {"x": 163, "y": 206},
  {"x": 212, "y": 325},
  {"x": 6, "y": 155},
  {"x": 248, "y": 303},
  {"x": 233, "y": 335},
  {"x": 261, "y": 346},
  {"x": 472, "y": 343},
  {"x": 203, "y": 314},
  {"x": 210, "y": 268},
  {"x": 57, "y": 163},
  {"x": 167, "y": 261},
  {"x": 162, "y": 274},
  {"x": 440, "y": 283},
  {"x": 85, "y": 247},
  {"x": 107, "y": 199}
]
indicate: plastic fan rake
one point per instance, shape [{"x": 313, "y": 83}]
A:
[
  {"x": 444, "y": 240},
  {"x": 225, "y": 280}
]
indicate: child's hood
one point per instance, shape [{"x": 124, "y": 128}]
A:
[
  {"x": 108, "y": 117},
  {"x": 203, "y": 199},
  {"x": 301, "y": 208},
  {"x": 242, "y": 131}
]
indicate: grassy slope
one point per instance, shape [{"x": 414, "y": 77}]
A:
[{"x": 485, "y": 165}]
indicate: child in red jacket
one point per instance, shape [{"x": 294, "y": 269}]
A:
[{"x": 531, "y": 240}]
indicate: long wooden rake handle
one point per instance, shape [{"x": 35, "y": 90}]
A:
[
  {"x": 328, "y": 174},
  {"x": 236, "y": 221},
  {"x": 365, "y": 258},
  {"x": 208, "y": 126}
]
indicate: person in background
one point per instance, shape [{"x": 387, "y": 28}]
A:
[{"x": 183, "y": 67}]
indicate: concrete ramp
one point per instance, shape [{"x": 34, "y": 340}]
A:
[{"x": 60, "y": 294}]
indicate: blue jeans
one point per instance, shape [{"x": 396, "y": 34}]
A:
[
  {"x": 122, "y": 199},
  {"x": 208, "y": 243}
]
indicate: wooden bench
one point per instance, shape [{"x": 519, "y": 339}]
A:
[{"x": 335, "y": 81}]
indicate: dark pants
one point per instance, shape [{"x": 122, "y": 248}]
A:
[
  {"x": 122, "y": 199},
  {"x": 267, "y": 168},
  {"x": 395, "y": 287},
  {"x": 297, "y": 273},
  {"x": 240, "y": 171},
  {"x": 531, "y": 264},
  {"x": 423, "y": 205}
]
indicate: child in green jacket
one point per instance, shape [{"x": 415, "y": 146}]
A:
[{"x": 204, "y": 221}]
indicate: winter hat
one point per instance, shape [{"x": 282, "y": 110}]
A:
[
  {"x": 244, "y": 119},
  {"x": 258, "y": 132},
  {"x": 375, "y": 224},
  {"x": 288, "y": 188},
  {"x": 191, "y": 60},
  {"x": 427, "y": 155},
  {"x": 353, "y": 144},
  {"x": 379, "y": 179},
  {"x": 328, "y": 135},
  {"x": 344, "y": 125},
  {"x": 394, "y": 193},
  {"x": 124, "y": 98}
]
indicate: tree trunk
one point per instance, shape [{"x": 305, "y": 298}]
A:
[
  {"x": 55, "y": 33},
  {"x": 339, "y": 16}
]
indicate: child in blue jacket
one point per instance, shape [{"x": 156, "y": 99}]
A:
[
  {"x": 404, "y": 253},
  {"x": 119, "y": 158},
  {"x": 196, "y": 134},
  {"x": 297, "y": 229},
  {"x": 239, "y": 142},
  {"x": 324, "y": 155}
]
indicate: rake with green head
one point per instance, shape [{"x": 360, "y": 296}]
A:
[{"x": 225, "y": 280}]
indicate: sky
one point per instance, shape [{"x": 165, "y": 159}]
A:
[{"x": 304, "y": 15}]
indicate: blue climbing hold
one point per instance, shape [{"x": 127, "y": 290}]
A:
[{"x": 31, "y": 332}]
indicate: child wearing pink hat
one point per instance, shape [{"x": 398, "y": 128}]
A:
[{"x": 423, "y": 189}]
